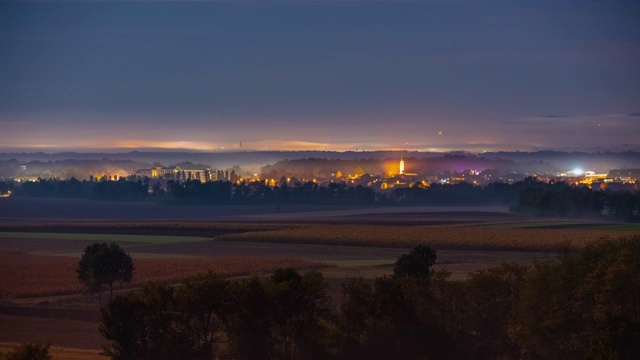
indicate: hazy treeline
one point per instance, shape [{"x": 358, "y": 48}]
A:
[
  {"x": 121, "y": 190},
  {"x": 562, "y": 200},
  {"x": 5, "y": 187},
  {"x": 527, "y": 196},
  {"x": 309, "y": 168},
  {"x": 567, "y": 307},
  {"x": 542, "y": 160},
  {"x": 69, "y": 168},
  {"x": 226, "y": 192}
]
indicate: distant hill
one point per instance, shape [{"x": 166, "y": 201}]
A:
[{"x": 78, "y": 164}]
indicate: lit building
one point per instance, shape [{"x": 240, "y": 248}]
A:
[
  {"x": 176, "y": 173},
  {"x": 405, "y": 172},
  {"x": 624, "y": 175},
  {"x": 203, "y": 175}
]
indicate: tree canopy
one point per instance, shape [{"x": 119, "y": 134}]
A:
[
  {"x": 416, "y": 263},
  {"x": 102, "y": 265}
]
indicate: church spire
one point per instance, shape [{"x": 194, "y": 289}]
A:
[{"x": 401, "y": 165}]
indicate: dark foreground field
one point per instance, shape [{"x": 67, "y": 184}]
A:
[{"x": 41, "y": 242}]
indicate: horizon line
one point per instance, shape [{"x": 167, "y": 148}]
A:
[{"x": 240, "y": 151}]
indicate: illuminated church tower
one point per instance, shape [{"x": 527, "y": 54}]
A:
[{"x": 401, "y": 165}]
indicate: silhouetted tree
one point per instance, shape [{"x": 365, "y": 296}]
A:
[
  {"x": 582, "y": 306},
  {"x": 249, "y": 326},
  {"x": 103, "y": 264},
  {"x": 141, "y": 326},
  {"x": 356, "y": 317},
  {"x": 493, "y": 295},
  {"x": 202, "y": 304},
  {"x": 298, "y": 304},
  {"x": 4, "y": 187},
  {"x": 416, "y": 263}
]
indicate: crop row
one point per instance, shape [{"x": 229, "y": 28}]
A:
[{"x": 438, "y": 237}]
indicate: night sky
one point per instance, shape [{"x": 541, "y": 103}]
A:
[{"x": 336, "y": 75}]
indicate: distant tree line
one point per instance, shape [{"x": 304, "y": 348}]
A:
[
  {"x": 115, "y": 190},
  {"x": 221, "y": 192},
  {"x": 251, "y": 192},
  {"x": 562, "y": 200},
  {"x": 573, "y": 306},
  {"x": 311, "y": 167},
  {"x": 5, "y": 187},
  {"x": 528, "y": 196}
]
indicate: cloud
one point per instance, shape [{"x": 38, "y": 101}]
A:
[
  {"x": 634, "y": 114},
  {"x": 553, "y": 116}
]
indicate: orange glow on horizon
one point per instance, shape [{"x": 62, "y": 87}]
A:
[
  {"x": 261, "y": 145},
  {"x": 190, "y": 145}
]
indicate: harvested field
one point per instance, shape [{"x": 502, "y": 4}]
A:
[
  {"x": 519, "y": 235},
  {"x": 66, "y": 333},
  {"x": 62, "y": 353},
  {"x": 24, "y": 275},
  {"x": 438, "y": 237}
]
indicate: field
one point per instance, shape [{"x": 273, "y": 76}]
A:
[
  {"x": 438, "y": 237},
  {"x": 26, "y": 275},
  {"x": 61, "y": 353},
  {"x": 40, "y": 299}
]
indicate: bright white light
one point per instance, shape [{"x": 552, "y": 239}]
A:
[{"x": 578, "y": 171}]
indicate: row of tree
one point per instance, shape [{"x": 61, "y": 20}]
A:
[
  {"x": 5, "y": 187},
  {"x": 569, "y": 307},
  {"x": 120, "y": 190},
  {"x": 225, "y": 192},
  {"x": 526, "y": 196},
  {"x": 561, "y": 200},
  {"x": 258, "y": 192}
]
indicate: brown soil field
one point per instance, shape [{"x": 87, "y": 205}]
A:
[
  {"x": 470, "y": 231},
  {"x": 46, "y": 246},
  {"x": 75, "y": 334},
  {"x": 438, "y": 237},
  {"x": 62, "y": 353},
  {"x": 23, "y": 275}
]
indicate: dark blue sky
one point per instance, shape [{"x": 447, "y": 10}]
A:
[{"x": 488, "y": 75}]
